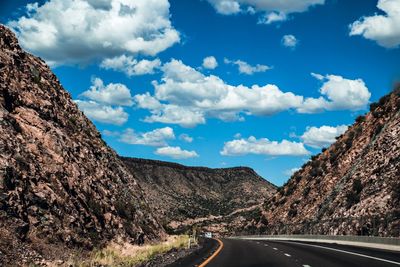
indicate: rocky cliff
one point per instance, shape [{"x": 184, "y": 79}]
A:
[
  {"x": 184, "y": 196},
  {"x": 353, "y": 187},
  {"x": 60, "y": 185}
]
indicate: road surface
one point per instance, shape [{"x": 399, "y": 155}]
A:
[{"x": 251, "y": 253}]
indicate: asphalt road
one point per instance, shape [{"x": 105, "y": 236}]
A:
[{"x": 246, "y": 253}]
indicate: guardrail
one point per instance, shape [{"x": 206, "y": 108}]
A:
[
  {"x": 393, "y": 241},
  {"x": 375, "y": 225}
]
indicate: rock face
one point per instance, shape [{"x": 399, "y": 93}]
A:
[
  {"x": 183, "y": 196},
  {"x": 59, "y": 182},
  {"x": 353, "y": 187}
]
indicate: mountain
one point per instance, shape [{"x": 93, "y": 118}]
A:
[
  {"x": 353, "y": 187},
  {"x": 61, "y": 186},
  {"x": 182, "y": 196}
]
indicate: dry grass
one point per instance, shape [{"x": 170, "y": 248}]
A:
[{"x": 125, "y": 254}]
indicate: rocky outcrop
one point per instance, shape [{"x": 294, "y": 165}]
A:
[
  {"x": 353, "y": 187},
  {"x": 182, "y": 196},
  {"x": 61, "y": 186}
]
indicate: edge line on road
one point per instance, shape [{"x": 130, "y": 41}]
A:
[
  {"x": 207, "y": 261},
  {"x": 344, "y": 251}
]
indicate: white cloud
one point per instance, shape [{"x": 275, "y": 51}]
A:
[
  {"x": 238, "y": 135},
  {"x": 289, "y": 40},
  {"x": 103, "y": 113},
  {"x": 147, "y": 101},
  {"x": 341, "y": 94},
  {"x": 226, "y": 7},
  {"x": 291, "y": 171},
  {"x": 272, "y": 10},
  {"x": 272, "y": 17},
  {"x": 186, "y": 138},
  {"x": 187, "y": 97},
  {"x": 111, "y": 94},
  {"x": 384, "y": 29},
  {"x": 246, "y": 68},
  {"x": 79, "y": 31},
  {"x": 263, "y": 146},
  {"x": 210, "y": 63},
  {"x": 192, "y": 96},
  {"x": 131, "y": 66},
  {"x": 175, "y": 152},
  {"x": 157, "y": 137},
  {"x": 187, "y": 117},
  {"x": 322, "y": 136}
]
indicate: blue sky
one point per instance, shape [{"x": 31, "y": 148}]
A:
[{"x": 136, "y": 69}]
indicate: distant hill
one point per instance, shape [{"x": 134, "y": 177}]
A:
[
  {"x": 61, "y": 186},
  {"x": 184, "y": 196},
  {"x": 356, "y": 177}
]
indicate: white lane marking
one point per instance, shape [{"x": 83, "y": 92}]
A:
[
  {"x": 306, "y": 265},
  {"x": 347, "y": 252},
  {"x": 287, "y": 255},
  {"x": 266, "y": 245},
  {"x": 274, "y": 248}
]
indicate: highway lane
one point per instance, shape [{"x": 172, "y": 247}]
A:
[{"x": 251, "y": 253}]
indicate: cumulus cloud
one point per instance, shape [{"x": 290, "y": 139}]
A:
[
  {"x": 246, "y": 68},
  {"x": 384, "y": 29},
  {"x": 110, "y": 94},
  {"x": 104, "y": 103},
  {"x": 289, "y": 40},
  {"x": 290, "y": 172},
  {"x": 263, "y": 146},
  {"x": 271, "y": 10},
  {"x": 187, "y": 117},
  {"x": 79, "y": 31},
  {"x": 340, "y": 94},
  {"x": 186, "y": 138},
  {"x": 175, "y": 152},
  {"x": 157, "y": 137},
  {"x": 130, "y": 66},
  {"x": 210, "y": 63},
  {"x": 187, "y": 97},
  {"x": 103, "y": 113},
  {"x": 323, "y": 136},
  {"x": 272, "y": 17}
]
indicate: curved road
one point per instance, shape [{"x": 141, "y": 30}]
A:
[{"x": 252, "y": 253}]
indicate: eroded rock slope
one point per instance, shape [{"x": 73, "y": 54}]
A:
[
  {"x": 353, "y": 187},
  {"x": 60, "y": 184}
]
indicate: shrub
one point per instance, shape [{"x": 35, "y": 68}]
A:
[
  {"x": 280, "y": 190},
  {"x": 289, "y": 190},
  {"x": 298, "y": 177},
  {"x": 306, "y": 191},
  {"x": 378, "y": 129},
  {"x": 373, "y": 106},
  {"x": 349, "y": 139},
  {"x": 360, "y": 118},
  {"x": 353, "y": 197},
  {"x": 292, "y": 212},
  {"x": 316, "y": 172},
  {"x": 383, "y": 100},
  {"x": 357, "y": 186}
]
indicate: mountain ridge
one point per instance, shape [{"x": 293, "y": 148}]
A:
[{"x": 181, "y": 196}]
